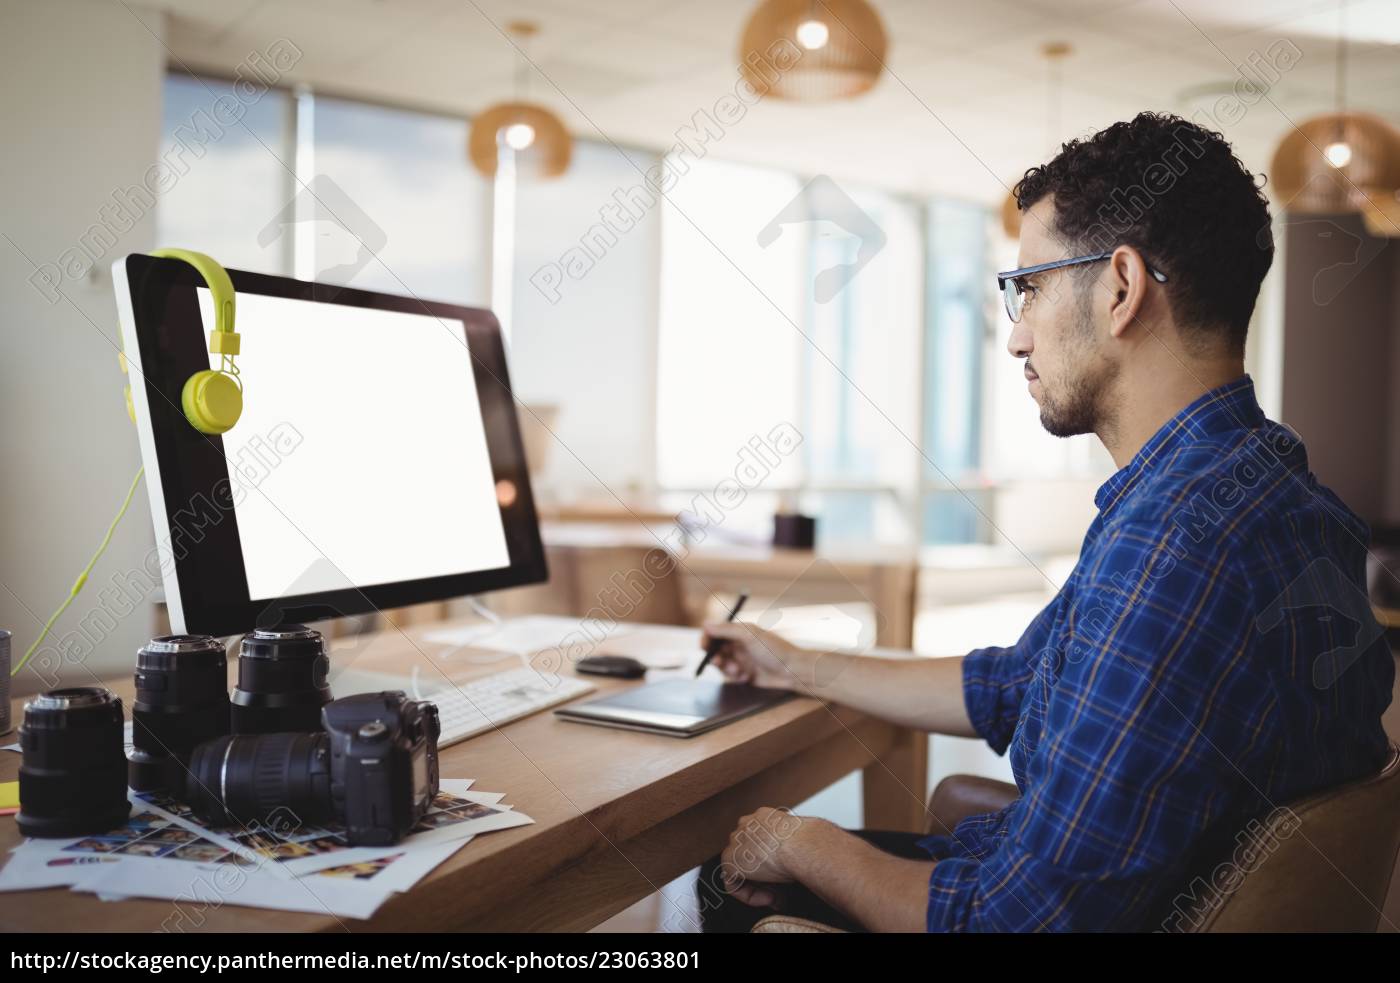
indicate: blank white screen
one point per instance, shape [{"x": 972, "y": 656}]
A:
[{"x": 390, "y": 480}]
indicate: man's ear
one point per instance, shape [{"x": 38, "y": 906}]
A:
[{"x": 1127, "y": 280}]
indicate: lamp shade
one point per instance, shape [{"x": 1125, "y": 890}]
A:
[
  {"x": 542, "y": 145},
  {"x": 1332, "y": 164},
  {"x": 835, "y": 49}
]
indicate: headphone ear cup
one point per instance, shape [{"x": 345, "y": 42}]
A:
[{"x": 212, "y": 401}]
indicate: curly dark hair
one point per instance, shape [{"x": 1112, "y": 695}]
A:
[{"x": 1176, "y": 192}]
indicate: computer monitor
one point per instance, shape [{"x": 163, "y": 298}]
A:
[{"x": 378, "y": 461}]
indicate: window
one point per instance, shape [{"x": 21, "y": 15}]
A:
[
  {"x": 397, "y": 207},
  {"x": 583, "y": 341},
  {"x": 955, "y": 339},
  {"x": 728, "y": 351},
  {"x": 797, "y": 303},
  {"x": 860, "y": 379},
  {"x": 329, "y": 190},
  {"x": 232, "y": 177}
]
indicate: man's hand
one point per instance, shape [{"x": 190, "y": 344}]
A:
[
  {"x": 763, "y": 850},
  {"x": 770, "y": 847},
  {"x": 925, "y": 694},
  {"x": 749, "y": 654}
]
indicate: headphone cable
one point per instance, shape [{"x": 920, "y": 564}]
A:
[{"x": 82, "y": 577}]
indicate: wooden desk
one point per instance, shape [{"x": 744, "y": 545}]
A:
[{"x": 617, "y": 814}]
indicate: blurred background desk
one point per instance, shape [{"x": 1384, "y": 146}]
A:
[{"x": 848, "y": 596}]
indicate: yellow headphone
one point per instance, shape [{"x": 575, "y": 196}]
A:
[{"x": 212, "y": 398}]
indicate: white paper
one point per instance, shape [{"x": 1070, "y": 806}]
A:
[
  {"x": 488, "y": 819},
  {"x": 518, "y": 636},
  {"x": 401, "y": 873},
  {"x": 304, "y": 850},
  {"x": 26, "y": 871},
  {"x": 656, "y": 647},
  {"x": 147, "y": 841},
  {"x": 354, "y": 887},
  {"x": 342, "y": 892},
  {"x": 155, "y": 836},
  {"x": 301, "y": 850},
  {"x": 197, "y": 889}
]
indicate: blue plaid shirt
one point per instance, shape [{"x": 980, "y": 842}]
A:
[{"x": 1212, "y": 656}]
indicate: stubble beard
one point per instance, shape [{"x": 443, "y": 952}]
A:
[{"x": 1078, "y": 406}]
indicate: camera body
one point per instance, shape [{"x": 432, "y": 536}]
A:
[
  {"x": 384, "y": 763},
  {"x": 373, "y": 768}
]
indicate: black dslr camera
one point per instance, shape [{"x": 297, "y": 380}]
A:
[
  {"x": 373, "y": 769},
  {"x": 384, "y": 764}
]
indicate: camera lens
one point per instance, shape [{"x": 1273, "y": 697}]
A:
[
  {"x": 72, "y": 780},
  {"x": 262, "y": 779},
  {"x": 181, "y": 701},
  {"x": 281, "y": 681}
]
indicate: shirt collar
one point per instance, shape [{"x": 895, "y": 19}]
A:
[{"x": 1230, "y": 407}]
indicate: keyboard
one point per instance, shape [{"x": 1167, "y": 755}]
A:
[{"x": 479, "y": 705}]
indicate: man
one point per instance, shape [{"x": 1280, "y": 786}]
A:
[{"x": 1206, "y": 661}]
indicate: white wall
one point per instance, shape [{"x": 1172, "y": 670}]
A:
[{"x": 80, "y": 119}]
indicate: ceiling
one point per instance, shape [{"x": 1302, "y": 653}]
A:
[{"x": 961, "y": 110}]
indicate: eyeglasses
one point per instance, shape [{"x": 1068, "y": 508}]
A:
[{"x": 1014, "y": 290}]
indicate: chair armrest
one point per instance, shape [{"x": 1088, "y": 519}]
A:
[
  {"x": 790, "y": 923},
  {"x": 960, "y": 796}
]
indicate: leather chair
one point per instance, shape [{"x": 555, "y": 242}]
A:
[{"x": 1322, "y": 865}]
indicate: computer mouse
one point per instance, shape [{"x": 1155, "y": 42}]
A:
[{"x": 621, "y": 666}]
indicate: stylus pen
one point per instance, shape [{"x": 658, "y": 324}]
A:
[{"x": 715, "y": 643}]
